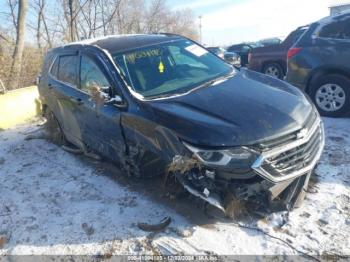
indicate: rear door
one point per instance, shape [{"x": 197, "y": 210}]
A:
[
  {"x": 101, "y": 122},
  {"x": 63, "y": 96}
]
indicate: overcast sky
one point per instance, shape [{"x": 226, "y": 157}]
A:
[{"x": 232, "y": 21}]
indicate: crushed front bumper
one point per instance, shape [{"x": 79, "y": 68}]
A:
[{"x": 283, "y": 171}]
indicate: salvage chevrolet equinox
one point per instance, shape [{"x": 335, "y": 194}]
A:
[{"x": 162, "y": 104}]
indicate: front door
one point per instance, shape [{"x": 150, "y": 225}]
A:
[{"x": 101, "y": 122}]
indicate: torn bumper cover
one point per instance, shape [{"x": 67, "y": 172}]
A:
[{"x": 277, "y": 178}]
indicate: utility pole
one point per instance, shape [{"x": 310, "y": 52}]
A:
[{"x": 200, "y": 29}]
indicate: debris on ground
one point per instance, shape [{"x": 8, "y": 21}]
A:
[
  {"x": 3, "y": 240},
  {"x": 155, "y": 227},
  {"x": 89, "y": 230}
]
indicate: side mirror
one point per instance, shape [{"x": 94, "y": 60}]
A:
[{"x": 116, "y": 101}]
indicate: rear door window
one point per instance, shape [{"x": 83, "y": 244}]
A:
[
  {"x": 338, "y": 29},
  {"x": 67, "y": 69}
]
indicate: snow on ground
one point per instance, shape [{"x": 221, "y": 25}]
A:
[{"x": 53, "y": 202}]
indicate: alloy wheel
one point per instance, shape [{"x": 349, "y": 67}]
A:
[
  {"x": 272, "y": 71},
  {"x": 330, "y": 97}
]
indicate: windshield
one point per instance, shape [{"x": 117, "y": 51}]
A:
[{"x": 169, "y": 68}]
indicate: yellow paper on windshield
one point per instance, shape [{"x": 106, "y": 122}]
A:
[
  {"x": 196, "y": 50},
  {"x": 132, "y": 57},
  {"x": 161, "y": 67}
]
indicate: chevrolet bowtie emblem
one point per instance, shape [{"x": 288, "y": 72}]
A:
[{"x": 302, "y": 133}]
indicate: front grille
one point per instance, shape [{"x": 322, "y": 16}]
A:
[
  {"x": 297, "y": 157},
  {"x": 293, "y": 154},
  {"x": 280, "y": 141}
]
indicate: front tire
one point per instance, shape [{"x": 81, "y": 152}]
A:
[{"x": 331, "y": 95}]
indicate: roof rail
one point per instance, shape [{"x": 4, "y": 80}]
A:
[{"x": 167, "y": 34}]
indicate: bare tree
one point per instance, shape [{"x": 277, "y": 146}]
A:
[
  {"x": 4, "y": 37},
  {"x": 156, "y": 16},
  {"x": 18, "y": 52},
  {"x": 38, "y": 5},
  {"x": 13, "y": 5},
  {"x": 41, "y": 27},
  {"x": 56, "y": 22},
  {"x": 95, "y": 17},
  {"x": 47, "y": 33},
  {"x": 182, "y": 22},
  {"x": 72, "y": 16}
]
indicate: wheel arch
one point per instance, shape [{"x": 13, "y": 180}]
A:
[{"x": 323, "y": 71}]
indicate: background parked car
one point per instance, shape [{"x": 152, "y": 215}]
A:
[
  {"x": 272, "y": 59},
  {"x": 319, "y": 63},
  {"x": 217, "y": 50},
  {"x": 270, "y": 41},
  {"x": 242, "y": 50},
  {"x": 230, "y": 57}
]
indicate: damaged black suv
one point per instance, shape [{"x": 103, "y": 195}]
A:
[{"x": 163, "y": 105}]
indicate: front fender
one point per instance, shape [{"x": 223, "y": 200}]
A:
[{"x": 150, "y": 146}]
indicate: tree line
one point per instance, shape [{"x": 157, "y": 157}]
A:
[{"x": 28, "y": 28}]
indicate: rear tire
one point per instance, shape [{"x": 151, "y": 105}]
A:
[
  {"x": 274, "y": 70},
  {"x": 331, "y": 95},
  {"x": 53, "y": 128}
]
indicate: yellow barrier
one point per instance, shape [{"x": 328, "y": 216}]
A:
[{"x": 19, "y": 106}]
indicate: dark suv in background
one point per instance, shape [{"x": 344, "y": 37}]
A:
[
  {"x": 319, "y": 64},
  {"x": 272, "y": 59},
  {"x": 230, "y": 57},
  {"x": 242, "y": 50}
]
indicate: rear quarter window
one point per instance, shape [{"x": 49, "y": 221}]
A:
[{"x": 338, "y": 29}]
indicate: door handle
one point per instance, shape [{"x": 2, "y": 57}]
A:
[{"x": 77, "y": 100}]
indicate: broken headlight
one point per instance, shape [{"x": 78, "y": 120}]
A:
[{"x": 240, "y": 158}]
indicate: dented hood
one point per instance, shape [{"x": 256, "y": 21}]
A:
[{"x": 242, "y": 110}]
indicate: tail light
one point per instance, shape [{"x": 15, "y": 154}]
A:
[{"x": 293, "y": 51}]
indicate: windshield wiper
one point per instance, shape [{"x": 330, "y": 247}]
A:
[
  {"x": 213, "y": 81},
  {"x": 205, "y": 84}
]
